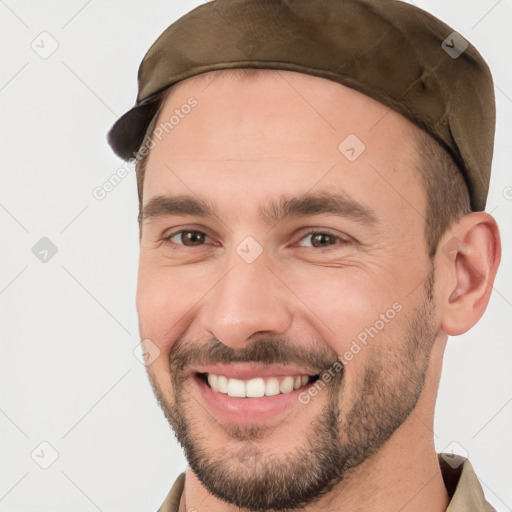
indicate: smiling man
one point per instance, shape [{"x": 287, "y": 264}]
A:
[{"x": 312, "y": 181}]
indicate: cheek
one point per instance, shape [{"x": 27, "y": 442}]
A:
[
  {"x": 159, "y": 313},
  {"x": 157, "y": 307},
  {"x": 167, "y": 298},
  {"x": 349, "y": 309}
]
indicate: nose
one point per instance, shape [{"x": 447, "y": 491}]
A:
[{"x": 248, "y": 299}]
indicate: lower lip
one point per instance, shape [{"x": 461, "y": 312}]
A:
[{"x": 248, "y": 410}]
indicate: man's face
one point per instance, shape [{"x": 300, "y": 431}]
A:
[{"x": 259, "y": 291}]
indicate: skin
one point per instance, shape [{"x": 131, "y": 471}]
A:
[{"x": 237, "y": 149}]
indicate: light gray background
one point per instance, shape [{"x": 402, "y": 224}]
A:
[{"x": 68, "y": 374}]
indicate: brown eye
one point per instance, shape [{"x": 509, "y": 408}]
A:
[
  {"x": 319, "y": 239},
  {"x": 188, "y": 238},
  {"x": 322, "y": 239}
]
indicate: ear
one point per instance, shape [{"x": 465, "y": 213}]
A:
[{"x": 468, "y": 261}]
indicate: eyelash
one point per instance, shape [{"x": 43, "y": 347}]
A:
[{"x": 312, "y": 231}]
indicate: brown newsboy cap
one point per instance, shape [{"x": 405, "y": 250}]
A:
[{"x": 394, "y": 52}]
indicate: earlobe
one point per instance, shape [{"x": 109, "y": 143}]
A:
[{"x": 471, "y": 257}]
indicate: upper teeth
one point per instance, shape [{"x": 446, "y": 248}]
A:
[{"x": 255, "y": 387}]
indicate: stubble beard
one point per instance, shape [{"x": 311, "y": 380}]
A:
[{"x": 249, "y": 478}]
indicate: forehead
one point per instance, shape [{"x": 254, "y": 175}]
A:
[{"x": 281, "y": 132}]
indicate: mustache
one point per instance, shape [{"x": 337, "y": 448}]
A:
[{"x": 265, "y": 351}]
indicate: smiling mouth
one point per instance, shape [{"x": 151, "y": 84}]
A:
[{"x": 257, "y": 387}]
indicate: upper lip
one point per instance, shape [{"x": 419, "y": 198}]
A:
[{"x": 250, "y": 371}]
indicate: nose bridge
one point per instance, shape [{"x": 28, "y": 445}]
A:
[{"x": 248, "y": 299}]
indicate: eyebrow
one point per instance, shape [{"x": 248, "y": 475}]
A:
[
  {"x": 326, "y": 203},
  {"x": 160, "y": 206},
  {"x": 273, "y": 212}
]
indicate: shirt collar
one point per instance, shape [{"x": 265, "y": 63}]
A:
[{"x": 462, "y": 485}]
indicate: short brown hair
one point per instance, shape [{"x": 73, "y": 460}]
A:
[{"x": 446, "y": 189}]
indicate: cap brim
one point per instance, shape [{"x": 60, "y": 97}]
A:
[{"x": 127, "y": 134}]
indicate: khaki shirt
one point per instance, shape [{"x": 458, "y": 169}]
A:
[{"x": 459, "y": 478}]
